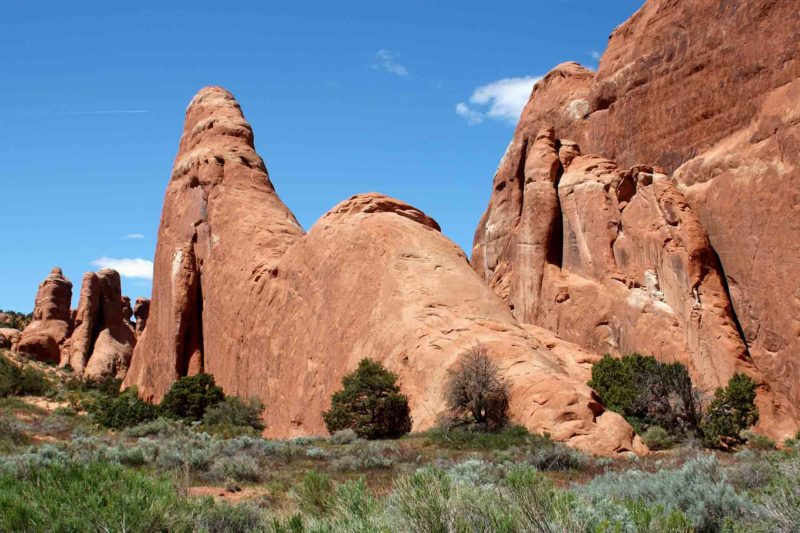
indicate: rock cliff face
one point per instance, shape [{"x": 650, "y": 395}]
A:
[
  {"x": 51, "y": 326},
  {"x": 685, "y": 259},
  {"x": 242, "y": 292}
]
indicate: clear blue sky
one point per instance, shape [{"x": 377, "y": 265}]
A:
[{"x": 411, "y": 99}]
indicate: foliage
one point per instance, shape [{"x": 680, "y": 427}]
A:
[
  {"x": 476, "y": 392},
  {"x": 699, "y": 490},
  {"x": 119, "y": 412},
  {"x": 756, "y": 441},
  {"x": 370, "y": 403},
  {"x": 189, "y": 397},
  {"x": 232, "y": 417},
  {"x": 648, "y": 392},
  {"x": 15, "y": 319},
  {"x": 657, "y": 438},
  {"x": 315, "y": 493},
  {"x": 462, "y": 438},
  {"x": 732, "y": 410},
  {"x": 22, "y": 380},
  {"x": 344, "y": 436},
  {"x": 55, "y": 498}
]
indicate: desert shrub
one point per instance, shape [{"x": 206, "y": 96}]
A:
[
  {"x": 756, "y": 441},
  {"x": 464, "y": 438},
  {"x": 232, "y": 417},
  {"x": 370, "y": 403},
  {"x": 240, "y": 468},
  {"x": 648, "y": 392},
  {"x": 364, "y": 456},
  {"x": 419, "y": 501},
  {"x": 15, "y": 319},
  {"x": 119, "y": 412},
  {"x": 657, "y": 438},
  {"x": 344, "y": 436},
  {"x": 314, "y": 493},
  {"x": 476, "y": 393},
  {"x": 162, "y": 427},
  {"x": 229, "y": 518},
  {"x": 779, "y": 503},
  {"x": 58, "y": 498},
  {"x": 556, "y": 456},
  {"x": 699, "y": 490},
  {"x": 11, "y": 434},
  {"x": 189, "y": 397},
  {"x": 22, "y": 381},
  {"x": 732, "y": 410},
  {"x": 540, "y": 506}
]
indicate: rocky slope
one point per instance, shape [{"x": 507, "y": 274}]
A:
[
  {"x": 242, "y": 292},
  {"x": 693, "y": 257}
]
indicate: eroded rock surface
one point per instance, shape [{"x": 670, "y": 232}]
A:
[
  {"x": 103, "y": 341},
  {"x": 694, "y": 257},
  {"x": 141, "y": 311},
  {"x": 9, "y": 338},
  {"x": 51, "y": 326},
  {"x": 241, "y": 292}
]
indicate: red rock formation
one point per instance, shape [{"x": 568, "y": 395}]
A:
[
  {"x": 51, "y": 326},
  {"x": 239, "y": 291},
  {"x": 141, "y": 311},
  {"x": 103, "y": 341},
  {"x": 717, "y": 104},
  {"x": 9, "y": 338}
]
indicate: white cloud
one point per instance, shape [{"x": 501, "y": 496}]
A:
[
  {"x": 472, "y": 116},
  {"x": 387, "y": 61},
  {"x": 500, "y": 100},
  {"x": 127, "y": 268},
  {"x": 595, "y": 54},
  {"x": 134, "y": 236}
]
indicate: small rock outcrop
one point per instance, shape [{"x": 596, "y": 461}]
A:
[
  {"x": 9, "y": 338},
  {"x": 51, "y": 326},
  {"x": 103, "y": 341},
  {"x": 141, "y": 311},
  {"x": 242, "y": 292}
]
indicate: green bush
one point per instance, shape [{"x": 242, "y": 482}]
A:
[
  {"x": 22, "y": 381},
  {"x": 657, "y": 438},
  {"x": 370, "y": 403},
  {"x": 189, "y": 397},
  {"x": 756, "y": 441},
  {"x": 123, "y": 411},
  {"x": 314, "y": 493},
  {"x": 475, "y": 392},
  {"x": 97, "y": 496},
  {"x": 232, "y": 417},
  {"x": 463, "y": 438},
  {"x": 648, "y": 392},
  {"x": 732, "y": 410}
]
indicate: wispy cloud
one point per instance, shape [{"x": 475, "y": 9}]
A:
[
  {"x": 595, "y": 55},
  {"x": 500, "y": 100},
  {"x": 134, "y": 236},
  {"x": 470, "y": 115},
  {"x": 127, "y": 267},
  {"x": 387, "y": 60}
]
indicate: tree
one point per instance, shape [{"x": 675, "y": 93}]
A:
[
  {"x": 370, "y": 403},
  {"x": 476, "y": 392},
  {"x": 732, "y": 410},
  {"x": 648, "y": 392},
  {"x": 189, "y": 397}
]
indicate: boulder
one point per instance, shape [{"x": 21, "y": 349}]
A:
[
  {"x": 9, "y": 338},
  {"x": 240, "y": 291},
  {"x": 51, "y": 326}
]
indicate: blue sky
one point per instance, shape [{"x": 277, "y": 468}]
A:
[{"x": 414, "y": 99}]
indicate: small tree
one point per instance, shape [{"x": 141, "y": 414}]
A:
[
  {"x": 189, "y": 397},
  {"x": 370, "y": 403},
  {"x": 732, "y": 410},
  {"x": 476, "y": 392}
]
